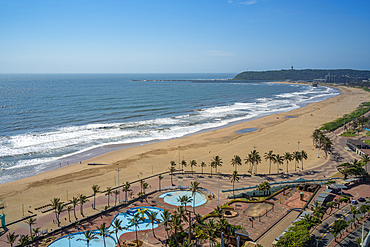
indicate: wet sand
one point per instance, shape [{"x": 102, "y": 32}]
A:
[{"x": 274, "y": 132}]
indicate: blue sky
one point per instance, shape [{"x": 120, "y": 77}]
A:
[{"x": 162, "y": 36}]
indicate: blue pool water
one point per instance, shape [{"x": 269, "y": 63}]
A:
[
  {"x": 77, "y": 239},
  {"x": 172, "y": 197}
]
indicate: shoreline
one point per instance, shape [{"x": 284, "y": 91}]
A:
[
  {"x": 274, "y": 132},
  {"x": 81, "y": 156}
]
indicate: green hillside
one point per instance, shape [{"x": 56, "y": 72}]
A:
[{"x": 305, "y": 74}]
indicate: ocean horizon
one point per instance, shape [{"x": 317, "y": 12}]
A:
[{"x": 53, "y": 120}]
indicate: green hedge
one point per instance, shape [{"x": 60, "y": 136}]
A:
[{"x": 340, "y": 121}]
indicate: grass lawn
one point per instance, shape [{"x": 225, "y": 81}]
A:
[
  {"x": 366, "y": 141},
  {"x": 349, "y": 133}
]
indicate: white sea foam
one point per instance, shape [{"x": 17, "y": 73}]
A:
[{"x": 40, "y": 149}]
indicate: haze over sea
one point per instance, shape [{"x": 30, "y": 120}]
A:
[{"x": 53, "y": 120}]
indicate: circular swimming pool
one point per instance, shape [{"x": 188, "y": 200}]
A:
[{"x": 172, "y": 198}]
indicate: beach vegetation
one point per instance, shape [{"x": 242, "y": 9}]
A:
[
  {"x": 60, "y": 208},
  {"x": 24, "y": 240},
  {"x": 116, "y": 193},
  {"x": 108, "y": 193},
  {"x": 287, "y": 157},
  {"x": 270, "y": 156},
  {"x": 279, "y": 160},
  {"x": 216, "y": 162},
  {"x": 192, "y": 163},
  {"x": 30, "y": 221},
  {"x": 126, "y": 189},
  {"x": 297, "y": 157},
  {"x": 203, "y": 164},
  {"x": 234, "y": 178},
  {"x": 69, "y": 209},
  {"x": 152, "y": 216},
  {"x": 82, "y": 199},
  {"x": 349, "y": 133},
  {"x": 304, "y": 156},
  {"x": 89, "y": 235},
  {"x": 347, "y": 118},
  {"x": 264, "y": 186},
  {"x": 54, "y": 204},
  {"x": 236, "y": 161},
  {"x": 172, "y": 170},
  {"x": 74, "y": 203},
  {"x": 183, "y": 164},
  {"x": 95, "y": 189},
  {"x": 104, "y": 232},
  {"x": 160, "y": 177},
  {"x": 353, "y": 168},
  {"x": 194, "y": 189},
  {"x": 11, "y": 238}
]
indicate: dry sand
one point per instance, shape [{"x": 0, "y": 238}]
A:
[{"x": 275, "y": 132}]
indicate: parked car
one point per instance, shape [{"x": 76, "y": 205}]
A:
[
  {"x": 361, "y": 199},
  {"x": 354, "y": 202}
]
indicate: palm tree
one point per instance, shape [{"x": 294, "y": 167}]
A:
[
  {"x": 203, "y": 164},
  {"x": 36, "y": 231},
  {"x": 297, "y": 158},
  {"x": 316, "y": 136},
  {"x": 142, "y": 181},
  {"x": 287, "y": 157},
  {"x": 365, "y": 160},
  {"x": 217, "y": 162},
  {"x": 89, "y": 235},
  {"x": 184, "y": 200},
  {"x": 271, "y": 157},
  {"x": 126, "y": 189},
  {"x": 192, "y": 163},
  {"x": 152, "y": 216},
  {"x": 234, "y": 178},
  {"x": 236, "y": 161},
  {"x": 265, "y": 186},
  {"x": 69, "y": 209},
  {"x": 30, "y": 222},
  {"x": 24, "y": 240},
  {"x": 172, "y": 170},
  {"x": 211, "y": 231},
  {"x": 194, "y": 189},
  {"x": 183, "y": 163},
  {"x": 103, "y": 232},
  {"x": 135, "y": 222},
  {"x": 116, "y": 193},
  {"x": 159, "y": 181},
  {"x": 54, "y": 204},
  {"x": 145, "y": 186},
  {"x": 74, "y": 202},
  {"x": 279, "y": 160},
  {"x": 81, "y": 200},
  {"x": 256, "y": 159},
  {"x": 117, "y": 227},
  {"x": 108, "y": 193},
  {"x": 11, "y": 237},
  {"x": 95, "y": 189},
  {"x": 166, "y": 217},
  {"x": 327, "y": 145},
  {"x": 60, "y": 209},
  {"x": 303, "y": 156}
]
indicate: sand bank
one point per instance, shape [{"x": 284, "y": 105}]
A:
[{"x": 274, "y": 132}]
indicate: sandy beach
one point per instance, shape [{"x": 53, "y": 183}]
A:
[{"x": 274, "y": 132}]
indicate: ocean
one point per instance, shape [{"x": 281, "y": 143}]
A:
[{"x": 53, "y": 120}]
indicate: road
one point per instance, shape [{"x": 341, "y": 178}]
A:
[
  {"x": 350, "y": 240},
  {"x": 323, "y": 231}
]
